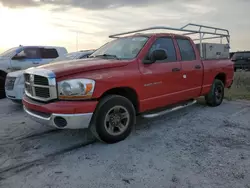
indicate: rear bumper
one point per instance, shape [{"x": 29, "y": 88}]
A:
[{"x": 61, "y": 114}]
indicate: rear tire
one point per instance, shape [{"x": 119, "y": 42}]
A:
[
  {"x": 113, "y": 119},
  {"x": 216, "y": 95},
  {"x": 2, "y": 85}
]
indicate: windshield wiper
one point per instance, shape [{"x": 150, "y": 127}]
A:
[{"x": 107, "y": 55}]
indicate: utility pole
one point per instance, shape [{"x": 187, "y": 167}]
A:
[{"x": 76, "y": 41}]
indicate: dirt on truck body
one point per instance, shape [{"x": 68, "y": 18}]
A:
[{"x": 146, "y": 74}]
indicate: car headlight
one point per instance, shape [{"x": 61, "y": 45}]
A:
[
  {"x": 76, "y": 89},
  {"x": 21, "y": 79}
]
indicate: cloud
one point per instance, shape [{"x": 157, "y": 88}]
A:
[
  {"x": 87, "y": 4},
  {"x": 19, "y": 3},
  {"x": 95, "y": 20}
]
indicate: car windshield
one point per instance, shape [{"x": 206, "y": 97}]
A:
[
  {"x": 241, "y": 55},
  {"x": 69, "y": 56},
  {"x": 122, "y": 48},
  {"x": 9, "y": 53}
]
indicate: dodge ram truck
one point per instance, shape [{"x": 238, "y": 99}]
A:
[{"x": 147, "y": 74}]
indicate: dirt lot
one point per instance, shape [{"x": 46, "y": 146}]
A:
[
  {"x": 241, "y": 86},
  {"x": 195, "y": 147}
]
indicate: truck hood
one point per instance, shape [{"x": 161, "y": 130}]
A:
[
  {"x": 16, "y": 73},
  {"x": 64, "y": 68}
]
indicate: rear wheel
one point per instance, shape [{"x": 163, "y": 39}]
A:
[
  {"x": 216, "y": 94},
  {"x": 2, "y": 84},
  {"x": 114, "y": 119}
]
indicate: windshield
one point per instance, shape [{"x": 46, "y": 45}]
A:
[
  {"x": 9, "y": 53},
  {"x": 69, "y": 56},
  {"x": 122, "y": 48},
  {"x": 241, "y": 55}
]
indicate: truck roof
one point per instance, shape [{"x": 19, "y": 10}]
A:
[{"x": 39, "y": 46}]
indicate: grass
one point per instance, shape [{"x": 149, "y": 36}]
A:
[{"x": 240, "y": 88}]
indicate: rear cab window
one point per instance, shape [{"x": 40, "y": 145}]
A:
[
  {"x": 186, "y": 49},
  {"x": 49, "y": 53}
]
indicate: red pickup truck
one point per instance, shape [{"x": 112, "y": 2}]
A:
[{"x": 140, "y": 74}]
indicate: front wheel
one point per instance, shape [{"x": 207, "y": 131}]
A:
[
  {"x": 216, "y": 94},
  {"x": 2, "y": 85},
  {"x": 113, "y": 119}
]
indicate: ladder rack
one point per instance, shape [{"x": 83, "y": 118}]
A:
[{"x": 215, "y": 33}]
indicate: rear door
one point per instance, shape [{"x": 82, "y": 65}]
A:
[
  {"x": 191, "y": 69},
  {"x": 162, "y": 79}
]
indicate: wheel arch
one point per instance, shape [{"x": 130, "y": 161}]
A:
[
  {"x": 2, "y": 72},
  {"x": 222, "y": 77},
  {"x": 126, "y": 92}
]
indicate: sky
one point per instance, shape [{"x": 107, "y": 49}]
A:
[{"x": 86, "y": 24}]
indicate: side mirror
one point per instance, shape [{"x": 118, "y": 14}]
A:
[{"x": 158, "y": 55}]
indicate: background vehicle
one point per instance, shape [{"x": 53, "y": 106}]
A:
[
  {"x": 241, "y": 60},
  {"x": 146, "y": 74},
  {"x": 14, "y": 85},
  {"x": 23, "y": 57}
]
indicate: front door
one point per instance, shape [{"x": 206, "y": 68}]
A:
[
  {"x": 26, "y": 58},
  {"x": 161, "y": 80}
]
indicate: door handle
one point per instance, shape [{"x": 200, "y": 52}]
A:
[
  {"x": 35, "y": 62},
  {"x": 197, "y": 67},
  {"x": 176, "y": 70}
]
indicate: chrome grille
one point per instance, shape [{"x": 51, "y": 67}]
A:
[
  {"x": 42, "y": 92},
  {"x": 40, "y": 80},
  {"x": 9, "y": 83},
  {"x": 40, "y": 87}
]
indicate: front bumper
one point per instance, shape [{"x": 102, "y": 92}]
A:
[
  {"x": 61, "y": 114},
  {"x": 61, "y": 121},
  {"x": 15, "y": 94}
]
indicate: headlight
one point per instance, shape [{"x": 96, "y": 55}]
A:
[
  {"x": 21, "y": 79},
  {"x": 76, "y": 89}
]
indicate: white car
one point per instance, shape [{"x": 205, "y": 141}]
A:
[
  {"x": 14, "y": 85},
  {"x": 23, "y": 57}
]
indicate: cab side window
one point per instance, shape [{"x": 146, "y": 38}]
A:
[
  {"x": 49, "y": 53},
  {"x": 166, "y": 44},
  {"x": 29, "y": 53},
  {"x": 186, "y": 50}
]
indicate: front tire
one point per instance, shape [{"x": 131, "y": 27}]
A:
[
  {"x": 113, "y": 119},
  {"x": 216, "y": 95},
  {"x": 2, "y": 85}
]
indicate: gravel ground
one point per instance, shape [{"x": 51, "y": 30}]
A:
[{"x": 195, "y": 147}]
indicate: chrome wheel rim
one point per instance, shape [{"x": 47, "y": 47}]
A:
[
  {"x": 117, "y": 120},
  {"x": 219, "y": 93}
]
